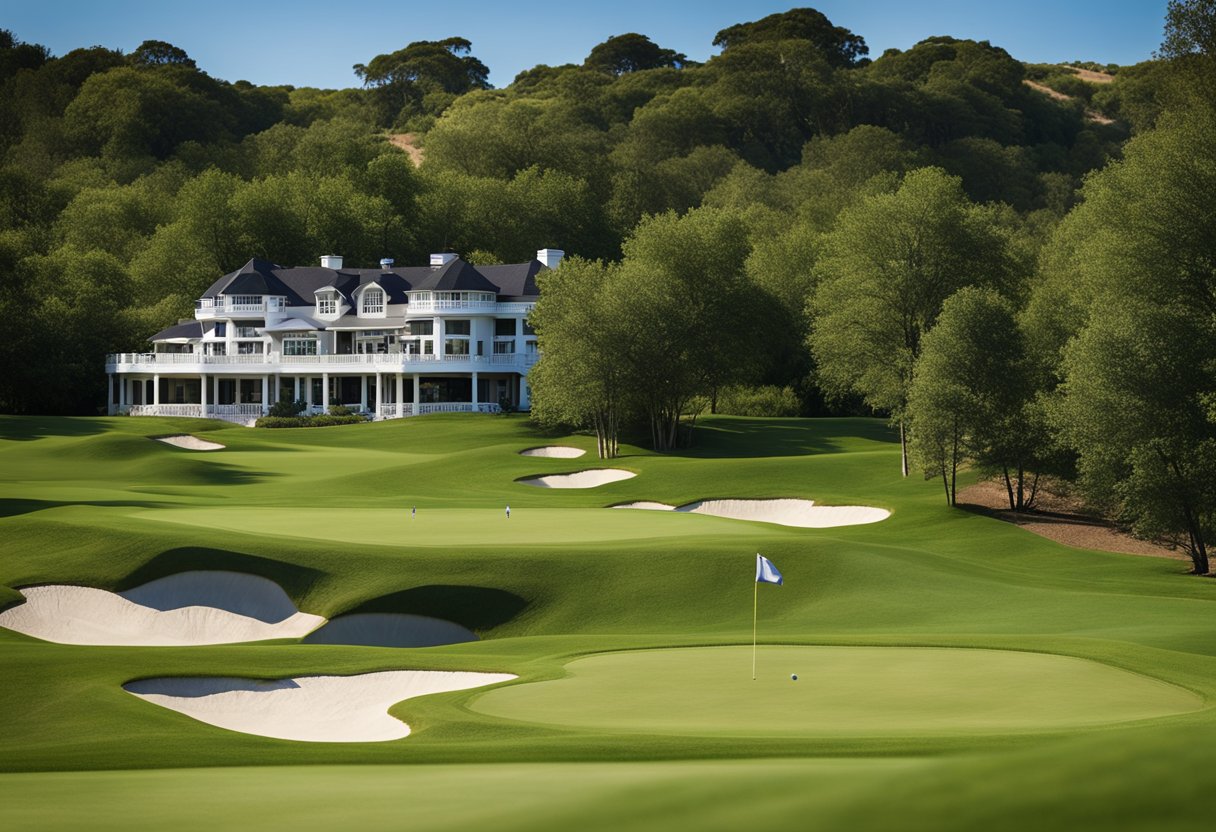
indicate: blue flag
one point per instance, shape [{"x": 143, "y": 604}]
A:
[{"x": 766, "y": 573}]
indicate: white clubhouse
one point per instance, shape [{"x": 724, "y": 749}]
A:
[{"x": 390, "y": 342}]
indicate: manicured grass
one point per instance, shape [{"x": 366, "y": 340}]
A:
[
  {"x": 1086, "y": 699},
  {"x": 840, "y": 691}
]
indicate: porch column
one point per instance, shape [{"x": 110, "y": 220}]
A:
[
  {"x": 109, "y": 393},
  {"x": 325, "y": 391},
  {"x": 308, "y": 391},
  {"x": 275, "y": 388},
  {"x": 400, "y": 396},
  {"x": 155, "y": 388},
  {"x": 437, "y": 328},
  {"x": 202, "y": 393},
  {"x": 295, "y": 386},
  {"x": 265, "y": 391},
  {"x": 215, "y": 390},
  {"x": 417, "y": 393},
  {"x": 122, "y": 392},
  {"x": 362, "y": 391},
  {"x": 475, "y": 400},
  {"x": 379, "y": 393}
]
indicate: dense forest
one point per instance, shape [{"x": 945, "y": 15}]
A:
[{"x": 1013, "y": 262}]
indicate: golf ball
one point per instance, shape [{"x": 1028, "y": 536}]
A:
[{"x": 794, "y": 677}]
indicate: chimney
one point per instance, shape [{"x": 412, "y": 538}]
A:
[
  {"x": 438, "y": 261},
  {"x": 550, "y": 257},
  {"x": 386, "y": 263},
  {"x": 331, "y": 261}
]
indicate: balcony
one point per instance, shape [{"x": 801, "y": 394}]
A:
[
  {"x": 420, "y": 307},
  {"x": 206, "y": 308},
  {"x": 273, "y": 362}
]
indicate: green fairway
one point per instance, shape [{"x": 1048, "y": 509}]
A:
[
  {"x": 955, "y": 672},
  {"x": 840, "y": 691},
  {"x": 450, "y": 526}
]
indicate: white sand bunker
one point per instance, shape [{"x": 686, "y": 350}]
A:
[
  {"x": 785, "y": 512},
  {"x": 581, "y": 479},
  {"x": 190, "y": 443},
  {"x": 554, "y": 452},
  {"x": 385, "y": 629},
  {"x": 206, "y": 607},
  {"x": 307, "y": 708}
]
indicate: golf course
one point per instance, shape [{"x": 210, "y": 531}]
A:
[{"x": 952, "y": 671}]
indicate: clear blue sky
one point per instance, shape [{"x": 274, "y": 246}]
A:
[{"x": 315, "y": 42}]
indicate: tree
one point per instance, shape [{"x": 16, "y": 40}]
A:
[
  {"x": 887, "y": 267},
  {"x": 841, "y": 47},
  {"x": 581, "y": 378},
  {"x": 630, "y": 53},
  {"x": 973, "y": 397},
  {"x": 401, "y": 81},
  {"x": 160, "y": 53},
  {"x": 1139, "y": 377}
]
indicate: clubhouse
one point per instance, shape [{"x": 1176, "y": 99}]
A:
[{"x": 388, "y": 342}]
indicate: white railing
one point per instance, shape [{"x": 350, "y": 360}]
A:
[
  {"x": 386, "y": 359},
  {"x": 417, "y": 306},
  {"x": 165, "y": 410},
  {"x": 242, "y": 304},
  {"x": 389, "y": 411},
  {"x": 458, "y": 407}
]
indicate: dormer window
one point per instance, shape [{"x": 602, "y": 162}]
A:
[
  {"x": 327, "y": 302},
  {"x": 372, "y": 302}
]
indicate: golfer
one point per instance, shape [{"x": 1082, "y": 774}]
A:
[{"x": 508, "y": 512}]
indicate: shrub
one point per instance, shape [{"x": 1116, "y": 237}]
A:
[
  {"x": 341, "y": 410},
  {"x": 287, "y": 408},
  {"x": 323, "y": 420},
  {"x": 758, "y": 401}
]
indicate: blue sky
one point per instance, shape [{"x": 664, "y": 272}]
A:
[{"x": 315, "y": 42}]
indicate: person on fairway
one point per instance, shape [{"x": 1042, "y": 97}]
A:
[
  {"x": 508, "y": 512},
  {"x": 413, "y": 512}
]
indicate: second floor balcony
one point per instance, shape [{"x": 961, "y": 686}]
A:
[
  {"x": 275, "y": 362},
  {"x": 238, "y": 305}
]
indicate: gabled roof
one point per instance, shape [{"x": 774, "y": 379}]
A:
[
  {"x": 299, "y": 285},
  {"x": 191, "y": 329}
]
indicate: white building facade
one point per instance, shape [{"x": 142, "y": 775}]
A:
[{"x": 388, "y": 342}]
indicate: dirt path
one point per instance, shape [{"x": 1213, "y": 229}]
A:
[
  {"x": 1058, "y": 518},
  {"x": 408, "y": 143}
]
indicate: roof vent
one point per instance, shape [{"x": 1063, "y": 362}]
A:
[
  {"x": 550, "y": 257},
  {"x": 438, "y": 261},
  {"x": 386, "y": 263},
  {"x": 331, "y": 261}
]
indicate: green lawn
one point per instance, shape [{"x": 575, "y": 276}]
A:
[{"x": 1085, "y": 698}]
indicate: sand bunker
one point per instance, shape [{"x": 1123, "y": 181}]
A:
[
  {"x": 581, "y": 479},
  {"x": 206, "y": 607},
  {"x": 785, "y": 512},
  {"x": 307, "y": 708},
  {"x": 384, "y": 629},
  {"x": 554, "y": 452},
  {"x": 190, "y": 443}
]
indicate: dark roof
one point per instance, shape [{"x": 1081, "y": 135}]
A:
[
  {"x": 191, "y": 329},
  {"x": 261, "y": 277}
]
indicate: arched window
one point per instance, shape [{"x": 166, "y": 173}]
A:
[{"x": 373, "y": 301}]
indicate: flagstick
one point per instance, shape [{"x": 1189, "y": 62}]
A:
[{"x": 755, "y": 600}]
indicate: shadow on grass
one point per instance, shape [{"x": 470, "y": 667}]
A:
[
  {"x": 29, "y": 428},
  {"x": 295, "y": 580},
  {"x": 746, "y": 437},
  {"x": 13, "y": 507},
  {"x": 478, "y": 608}
]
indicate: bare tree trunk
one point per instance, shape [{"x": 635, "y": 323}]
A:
[
  {"x": 1021, "y": 488},
  {"x": 903, "y": 448},
  {"x": 954, "y": 467},
  {"x": 1009, "y": 489},
  {"x": 1034, "y": 490}
]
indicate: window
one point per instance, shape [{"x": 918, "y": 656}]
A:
[
  {"x": 247, "y": 332},
  {"x": 299, "y": 343},
  {"x": 528, "y": 330},
  {"x": 530, "y": 346},
  {"x": 504, "y": 347},
  {"x": 420, "y": 327},
  {"x": 373, "y": 301},
  {"x": 249, "y": 348},
  {"x": 456, "y": 328},
  {"x": 221, "y": 329},
  {"x": 215, "y": 349},
  {"x": 504, "y": 327},
  {"x": 327, "y": 304},
  {"x": 456, "y": 346}
]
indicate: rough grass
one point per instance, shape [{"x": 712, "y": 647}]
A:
[{"x": 326, "y": 513}]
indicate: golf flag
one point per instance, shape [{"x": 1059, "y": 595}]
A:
[{"x": 766, "y": 573}]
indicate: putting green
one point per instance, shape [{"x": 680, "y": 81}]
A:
[
  {"x": 841, "y": 691},
  {"x": 447, "y": 527}
]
